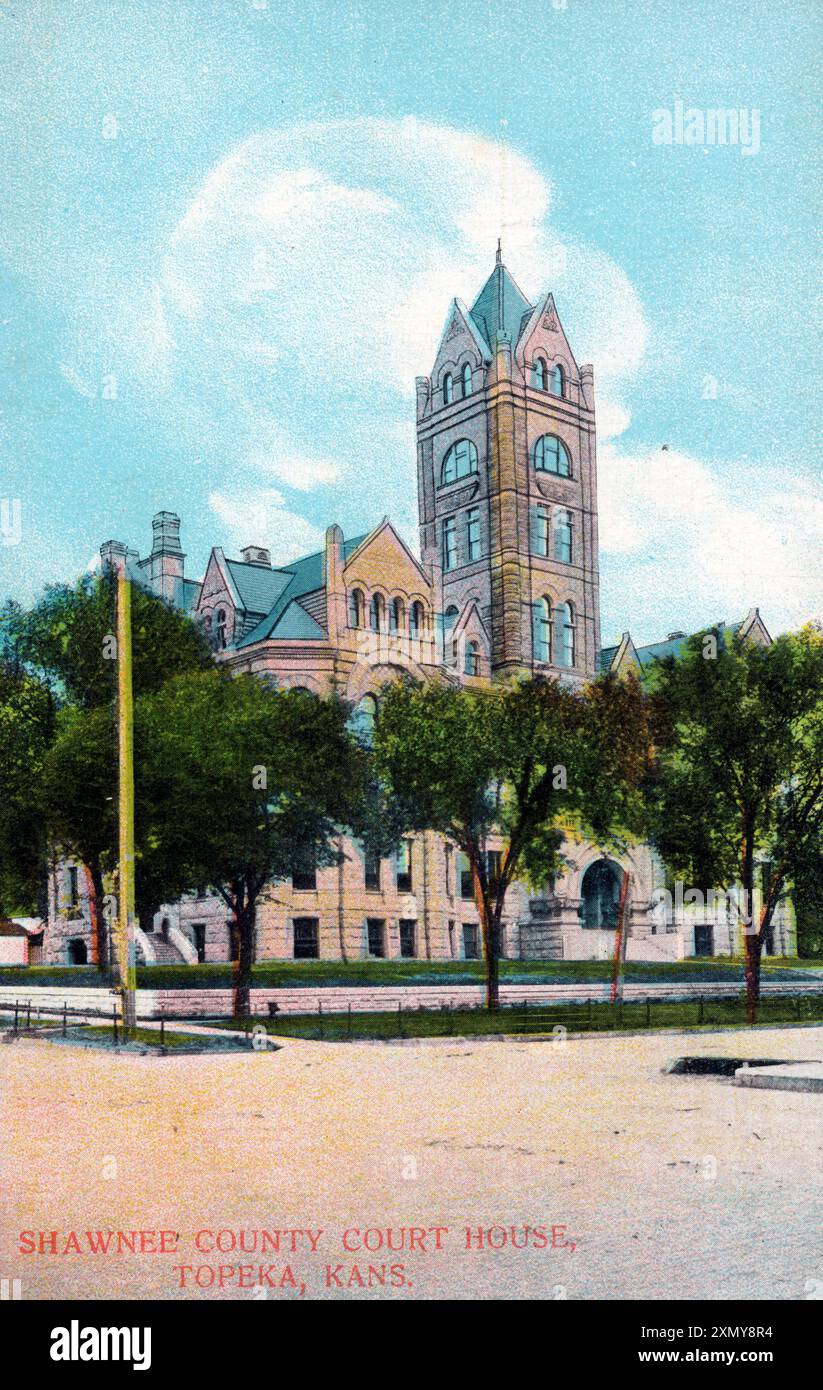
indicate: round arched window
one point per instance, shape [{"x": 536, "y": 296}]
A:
[
  {"x": 448, "y": 389},
  {"x": 552, "y": 456},
  {"x": 467, "y": 379},
  {"x": 539, "y": 374},
  {"x": 558, "y": 381},
  {"x": 460, "y": 461}
]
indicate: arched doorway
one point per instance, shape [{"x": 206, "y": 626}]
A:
[
  {"x": 78, "y": 952},
  {"x": 600, "y": 894}
]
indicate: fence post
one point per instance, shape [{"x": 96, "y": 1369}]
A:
[
  {"x": 700, "y": 1009},
  {"x": 16, "y": 1007},
  {"x": 648, "y": 1012},
  {"x": 114, "y": 1022},
  {"x": 349, "y": 1021},
  {"x": 162, "y": 1027},
  {"x": 64, "y": 1018},
  {"x": 400, "y": 1018},
  {"x": 320, "y": 1015}
]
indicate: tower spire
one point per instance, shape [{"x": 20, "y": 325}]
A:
[{"x": 499, "y": 257}]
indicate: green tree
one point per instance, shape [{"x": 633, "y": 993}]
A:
[
  {"x": 26, "y": 730},
  {"x": 740, "y": 771},
  {"x": 246, "y": 786},
  {"x": 524, "y": 761},
  {"x": 68, "y": 638}
]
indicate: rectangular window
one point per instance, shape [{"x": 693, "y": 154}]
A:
[
  {"x": 470, "y": 941},
  {"x": 74, "y": 893},
  {"x": 449, "y": 543},
  {"x": 306, "y": 938},
  {"x": 563, "y": 536},
  {"x": 404, "y": 867},
  {"x": 540, "y": 531},
  {"x": 466, "y": 880},
  {"x": 198, "y": 935},
  {"x": 408, "y": 928},
  {"x": 372, "y": 872},
  {"x": 377, "y": 937},
  {"x": 304, "y": 881},
  {"x": 473, "y": 547},
  {"x": 494, "y": 859}
]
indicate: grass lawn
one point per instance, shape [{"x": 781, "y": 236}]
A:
[
  {"x": 577, "y": 1018},
  {"x": 286, "y": 974},
  {"x": 101, "y": 1035}
]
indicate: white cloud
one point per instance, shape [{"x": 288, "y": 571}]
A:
[
  {"x": 258, "y": 517},
  {"x": 680, "y": 536}
]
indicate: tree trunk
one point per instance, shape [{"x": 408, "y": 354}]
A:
[
  {"x": 491, "y": 940},
  {"x": 99, "y": 936},
  {"x": 620, "y": 940},
  {"x": 752, "y": 939},
  {"x": 753, "y": 948},
  {"x": 246, "y": 921}
]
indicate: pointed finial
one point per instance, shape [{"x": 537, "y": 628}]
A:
[{"x": 499, "y": 257}]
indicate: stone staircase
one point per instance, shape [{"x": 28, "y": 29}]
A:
[{"x": 164, "y": 952}]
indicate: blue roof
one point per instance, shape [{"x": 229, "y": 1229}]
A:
[
  {"x": 500, "y": 307},
  {"x": 257, "y": 585},
  {"x": 285, "y": 618}
]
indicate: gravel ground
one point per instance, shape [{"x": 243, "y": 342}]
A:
[{"x": 657, "y": 1186}]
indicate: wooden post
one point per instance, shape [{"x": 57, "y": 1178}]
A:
[
  {"x": 320, "y": 1015},
  {"x": 114, "y": 1023},
  {"x": 125, "y": 948},
  {"x": 349, "y": 1021},
  {"x": 64, "y": 1018}
]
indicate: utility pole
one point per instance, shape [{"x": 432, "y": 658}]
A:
[{"x": 125, "y": 950}]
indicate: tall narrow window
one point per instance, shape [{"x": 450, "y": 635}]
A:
[
  {"x": 376, "y": 931},
  {"x": 408, "y": 932},
  {"x": 306, "y": 938},
  {"x": 372, "y": 872},
  {"x": 472, "y": 663},
  {"x": 220, "y": 629},
  {"x": 539, "y": 374},
  {"x": 449, "y": 543},
  {"x": 378, "y": 610},
  {"x": 361, "y": 720},
  {"x": 448, "y": 389},
  {"x": 449, "y": 619},
  {"x": 473, "y": 546},
  {"x": 562, "y": 524},
  {"x": 416, "y": 619},
  {"x": 356, "y": 608},
  {"x": 558, "y": 381},
  {"x": 74, "y": 892},
  {"x": 552, "y": 456},
  {"x": 466, "y": 878},
  {"x": 540, "y": 531},
  {"x": 467, "y": 379},
  {"x": 542, "y": 630},
  {"x": 404, "y": 867},
  {"x": 564, "y": 628},
  {"x": 397, "y": 615},
  {"x": 459, "y": 462}
]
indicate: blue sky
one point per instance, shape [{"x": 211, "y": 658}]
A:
[{"x": 231, "y": 232}]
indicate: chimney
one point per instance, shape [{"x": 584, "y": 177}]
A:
[
  {"x": 113, "y": 556},
  {"x": 257, "y": 555},
  {"x": 166, "y": 538}
]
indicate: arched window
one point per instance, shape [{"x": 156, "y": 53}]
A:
[
  {"x": 449, "y": 619},
  {"x": 562, "y": 529},
  {"x": 460, "y": 461},
  {"x": 552, "y": 456},
  {"x": 557, "y": 381},
  {"x": 564, "y": 635},
  {"x": 448, "y": 389},
  {"x": 416, "y": 619},
  {"x": 377, "y": 613},
  {"x": 356, "y": 608},
  {"x": 471, "y": 666},
  {"x": 220, "y": 629},
  {"x": 600, "y": 895},
  {"x": 397, "y": 615},
  {"x": 539, "y": 372},
  {"x": 542, "y": 630},
  {"x": 361, "y": 720},
  {"x": 467, "y": 378}
]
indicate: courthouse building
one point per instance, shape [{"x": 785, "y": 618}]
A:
[{"x": 506, "y": 583}]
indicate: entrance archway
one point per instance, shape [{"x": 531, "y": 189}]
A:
[
  {"x": 78, "y": 952},
  {"x": 600, "y": 895}
]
